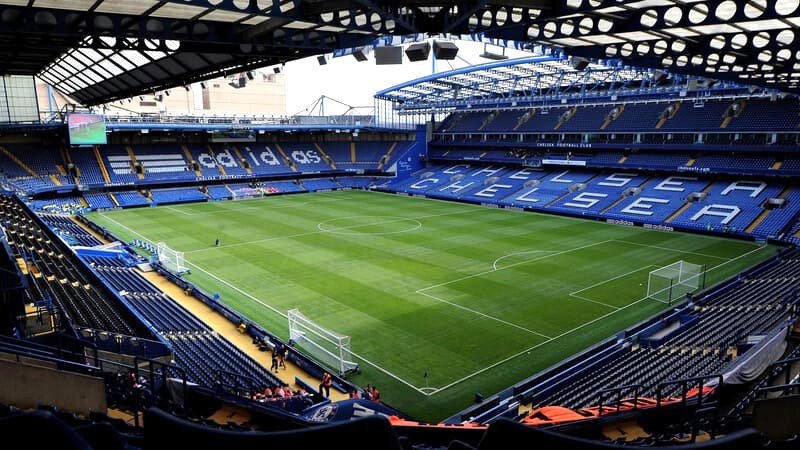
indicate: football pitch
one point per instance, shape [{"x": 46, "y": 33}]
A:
[{"x": 441, "y": 299}]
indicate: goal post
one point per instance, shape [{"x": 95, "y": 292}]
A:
[
  {"x": 329, "y": 347},
  {"x": 674, "y": 281},
  {"x": 246, "y": 193},
  {"x": 171, "y": 259}
]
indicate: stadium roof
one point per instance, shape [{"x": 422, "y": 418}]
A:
[
  {"x": 510, "y": 79},
  {"x": 102, "y": 50}
]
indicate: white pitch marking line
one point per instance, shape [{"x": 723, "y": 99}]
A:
[
  {"x": 177, "y": 210},
  {"x": 509, "y": 358},
  {"x": 575, "y": 294},
  {"x": 479, "y": 274},
  {"x": 264, "y": 207},
  {"x": 494, "y": 264},
  {"x": 318, "y": 231},
  {"x": 612, "y": 279},
  {"x": 593, "y": 301},
  {"x": 672, "y": 249},
  {"x": 338, "y": 230},
  {"x": 487, "y": 316},
  {"x": 433, "y": 391},
  {"x": 273, "y": 309}
]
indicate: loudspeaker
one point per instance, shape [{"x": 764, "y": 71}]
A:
[
  {"x": 388, "y": 55},
  {"x": 578, "y": 63},
  {"x": 321, "y": 60},
  {"x": 250, "y": 76},
  {"x": 418, "y": 52},
  {"x": 203, "y": 85},
  {"x": 276, "y": 69},
  {"x": 359, "y": 55},
  {"x": 444, "y": 50}
]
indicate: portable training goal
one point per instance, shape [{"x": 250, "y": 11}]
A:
[
  {"x": 246, "y": 193},
  {"x": 171, "y": 259},
  {"x": 329, "y": 347}
]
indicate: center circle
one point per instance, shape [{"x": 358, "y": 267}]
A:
[{"x": 360, "y": 225}]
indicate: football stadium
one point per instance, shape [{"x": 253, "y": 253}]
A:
[{"x": 587, "y": 237}]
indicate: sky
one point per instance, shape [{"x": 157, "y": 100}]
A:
[{"x": 346, "y": 82}]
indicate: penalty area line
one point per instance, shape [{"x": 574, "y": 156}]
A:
[
  {"x": 479, "y": 274},
  {"x": 529, "y": 349},
  {"x": 523, "y": 252},
  {"x": 272, "y": 308},
  {"x": 484, "y": 315}
]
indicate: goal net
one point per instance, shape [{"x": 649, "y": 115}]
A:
[
  {"x": 330, "y": 348},
  {"x": 171, "y": 260},
  {"x": 245, "y": 193},
  {"x": 674, "y": 281}
]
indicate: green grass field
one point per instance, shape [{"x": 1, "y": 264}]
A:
[{"x": 479, "y": 298}]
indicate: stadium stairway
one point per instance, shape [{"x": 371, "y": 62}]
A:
[
  {"x": 688, "y": 203},
  {"x": 624, "y": 196},
  {"x": 103, "y": 170},
  {"x": 288, "y": 161},
  {"x": 488, "y": 120},
  {"x": 239, "y": 157},
  {"x": 87, "y": 229},
  {"x": 730, "y": 116},
  {"x": 66, "y": 157},
  {"x": 675, "y": 107},
  {"x": 328, "y": 159},
  {"x": 132, "y": 155},
  {"x": 214, "y": 156},
  {"x": 387, "y": 156},
  {"x": 524, "y": 118},
  {"x": 611, "y": 117},
  {"x": 190, "y": 158},
  {"x": 19, "y": 162},
  {"x": 763, "y": 215},
  {"x": 565, "y": 117}
]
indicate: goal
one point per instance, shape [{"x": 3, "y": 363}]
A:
[
  {"x": 171, "y": 260},
  {"x": 675, "y": 280},
  {"x": 330, "y": 348},
  {"x": 245, "y": 193}
]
